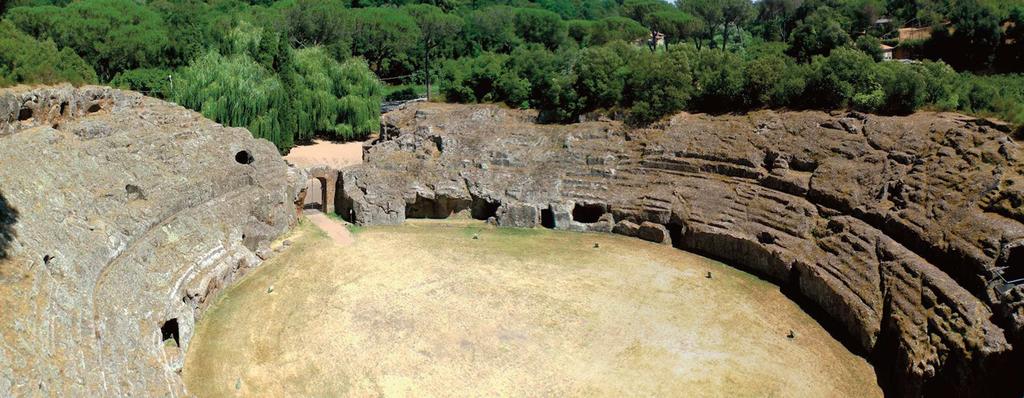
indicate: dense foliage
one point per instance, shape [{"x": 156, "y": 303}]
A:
[
  {"x": 650, "y": 85},
  {"x": 23, "y": 59},
  {"x": 291, "y": 70}
]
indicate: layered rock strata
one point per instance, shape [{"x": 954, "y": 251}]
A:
[
  {"x": 120, "y": 215},
  {"x": 899, "y": 233}
]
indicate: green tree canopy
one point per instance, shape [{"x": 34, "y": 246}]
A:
[
  {"x": 23, "y": 59},
  {"x": 607, "y": 30},
  {"x": 541, "y": 27},
  {"x": 111, "y": 35},
  {"x": 818, "y": 34},
  {"x": 383, "y": 36},
  {"x": 492, "y": 29}
]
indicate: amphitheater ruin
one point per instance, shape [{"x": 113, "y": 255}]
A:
[{"x": 122, "y": 217}]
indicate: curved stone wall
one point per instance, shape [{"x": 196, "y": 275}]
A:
[
  {"x": 899, "y": 233},
  {"x": 119, "y": 216}
]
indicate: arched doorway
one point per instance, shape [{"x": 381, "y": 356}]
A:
[{"x": 316, "y": 194}]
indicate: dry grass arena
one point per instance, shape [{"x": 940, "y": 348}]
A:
[{"x": 459, "y": 308}]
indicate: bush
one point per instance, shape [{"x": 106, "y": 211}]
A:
[
  {"x": 402, "y": 94},
  {"x": 474, "y": 79},
  {"x": 150, "y": 81},
  {"x": 773, "y": 81},
  {"x": 600, "y": 78},
  {"x": 660, "y": 84},
  {"x": 720, "y": 81},
  {"x": 905, "y": 88},
  {"x": 870, "y": 46},
  {"x": 843, "y": 79}
]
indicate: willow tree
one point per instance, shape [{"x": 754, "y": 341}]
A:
[
  {"x": 237, "y": 91},
  {"x": 335, "y": 100}
]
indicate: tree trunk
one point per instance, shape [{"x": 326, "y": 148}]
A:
[
  {"x": 426, "y": 65},
  {"x": 725, "y": 36}
]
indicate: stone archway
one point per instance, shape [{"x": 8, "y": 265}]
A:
[
  {"x": 316, "y": 194},
  {"x": 320, "y": 189}
]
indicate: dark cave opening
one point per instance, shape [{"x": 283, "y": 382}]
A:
[
  {"x": 439, "y": 207},
  {"x": 587, "y": 213},
  {"x": 483, "y": 209},
  {"x": 169, "y": 331},
  {"x": 547, "y": 218}
]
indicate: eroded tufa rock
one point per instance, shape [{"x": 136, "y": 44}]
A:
[
  {"x": 120, "y": 215},
  {"x": 901, "y": 230}
]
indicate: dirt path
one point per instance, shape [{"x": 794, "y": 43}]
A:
[
  {"x": 334, "y": 228},
  {"x": 335, "y": 155},
  {"x": 441, "y": 309}
]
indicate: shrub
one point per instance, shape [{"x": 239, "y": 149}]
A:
[
  {"x": 600, "y": 78},
  {"x": 402, "y": 94},
  {"x": 905, "y": 88},
  {"x": 720, "y": 81},
  {"x": 773, "y": 81},
  {"x": 154, "y": 82},
  {"x": 660, "y": 84},
  {"x": 870, "y": 46},
  {"x": 845, "y": 78}
]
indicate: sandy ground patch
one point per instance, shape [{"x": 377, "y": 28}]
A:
[
  {"x": 333, "y": 154},
  {"x": 426, "y": 309},
  {"x": 333, "y": 228}
]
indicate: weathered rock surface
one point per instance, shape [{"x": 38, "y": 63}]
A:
[
  {"x": 899, "y": 231},
  {"x": 119, "y": 216}
]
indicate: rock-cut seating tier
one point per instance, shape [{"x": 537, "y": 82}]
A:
[
  {"x": 120, "y": 215},
  {"x": 899, "y": 233}
]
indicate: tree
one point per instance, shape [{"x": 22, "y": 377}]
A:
[
  {"x": 734, "y": 13},
  {"x": 659, "y": 84},
  {"x": 600, "y": 78},
  {"x": 774, "y": 18},
  {"x": 312, "y": 23},
  {"x": 189, "y": 29},
  {"x": 904, "y": 86},
  {"x": 382, "y": 36},
  {"x": 540, "y": 26},
  {"x": 772, "y": 80},
  {"x": 111, "y": 35},
  {"x": 493, "y": 29},
  {"x": 1010, "y": 57},
  {"x": 581, "y": 30},
  {"x": 677, "y": 26},
  {"x": 871, "y": 46},
  {"x": 24, "y": 60},
  {"x": 237, "y": 91},
  {"x": 607, "y": 30},
  {"x": 642, "y": 11},
  {"x": 719, "y": 75},
  {"x": 335, "y": 100},
  {"x": 436, "y": 28},
  {"x": 973, "y": 39},
  {"x": 817, "y": 34},
  {"x": 844, "y": 78},
  {"x": 710, "y": 14}
]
